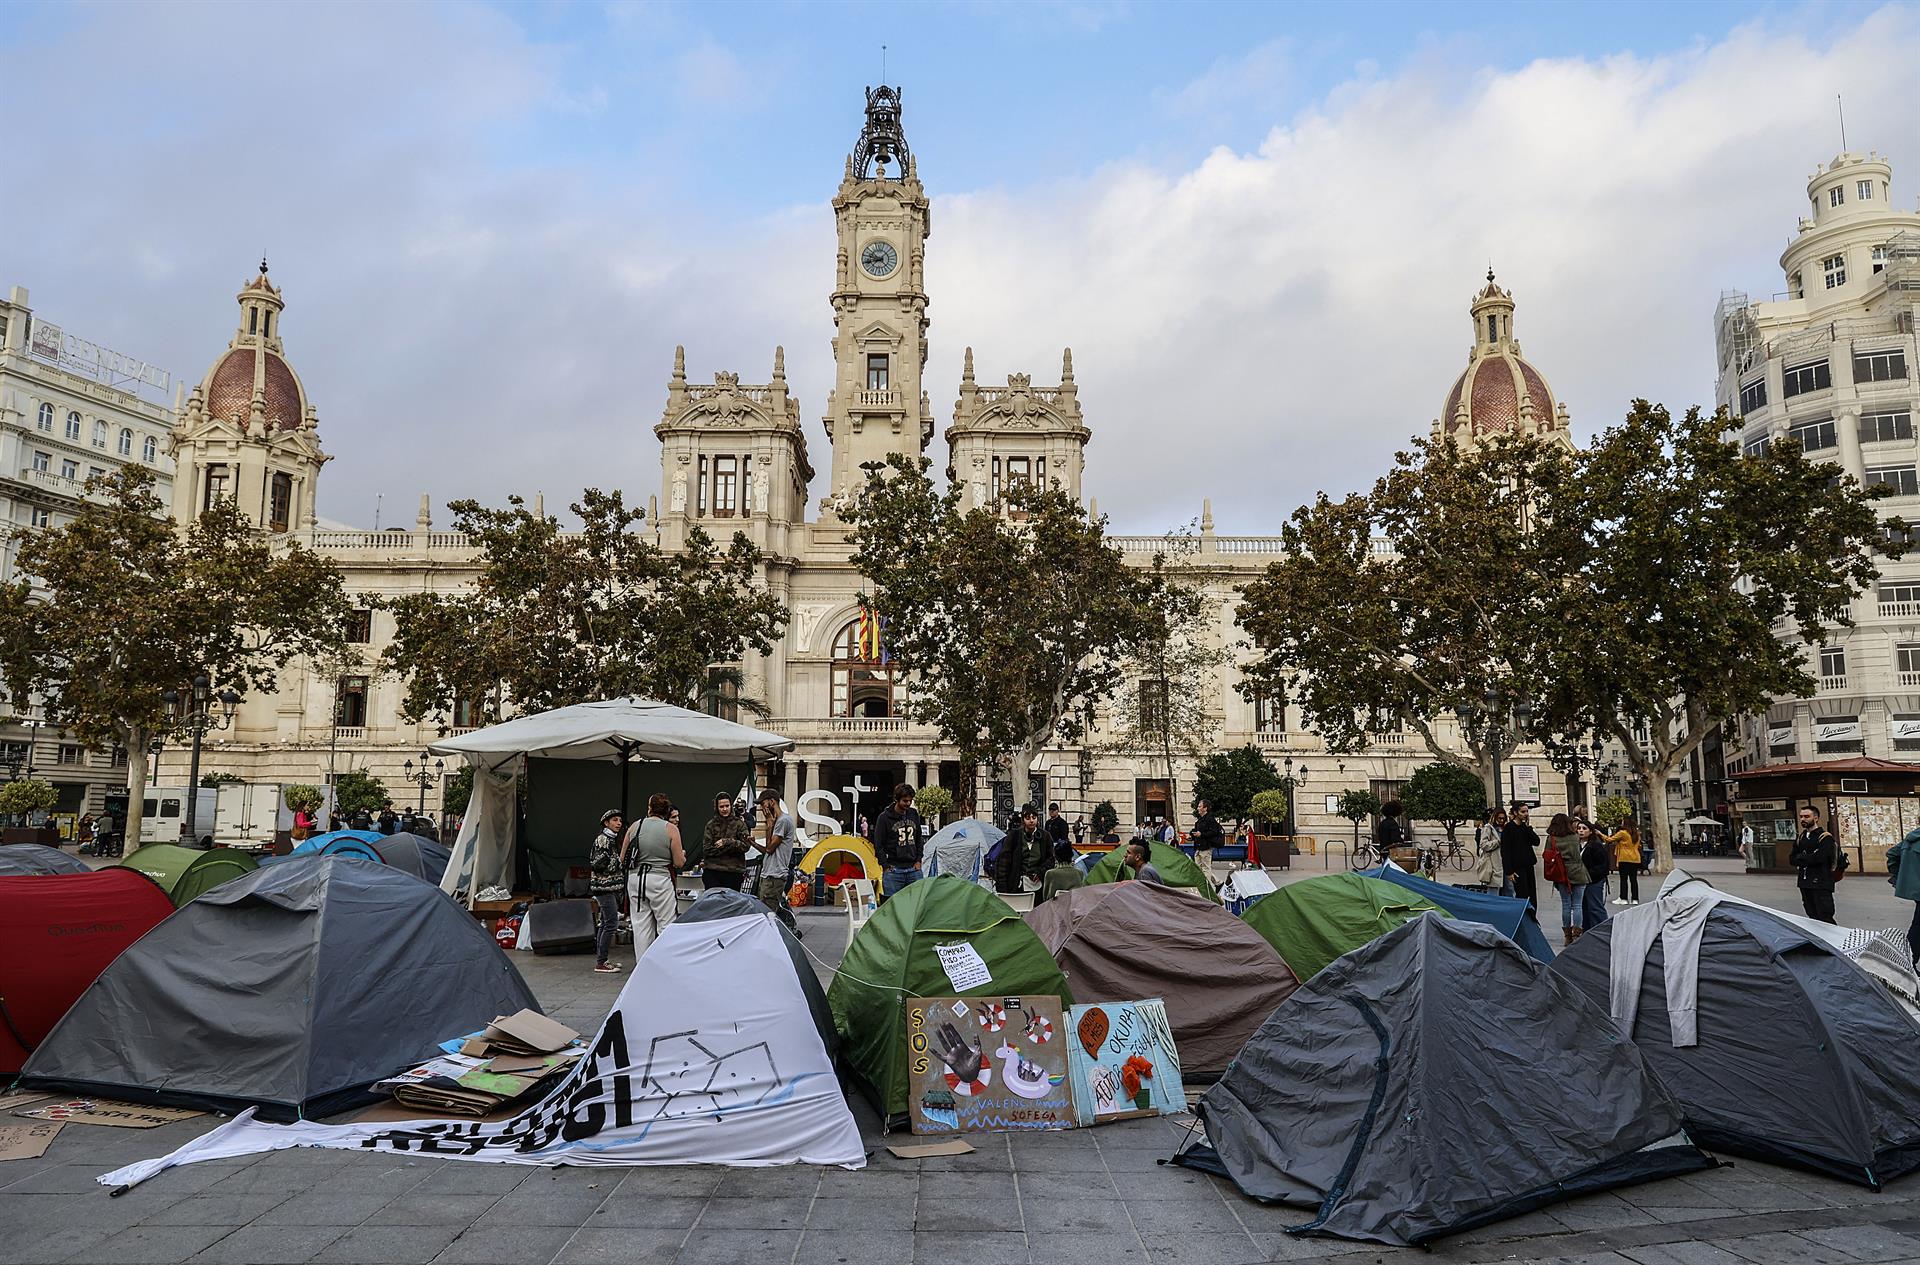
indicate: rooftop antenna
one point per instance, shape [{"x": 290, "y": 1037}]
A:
[
  {"x": 883, "y": 63},
  {"x": 1842, "y": 107},
  {"x": 378, "y": 497}
]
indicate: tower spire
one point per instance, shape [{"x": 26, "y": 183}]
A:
[{"x": 881, "y": 139}]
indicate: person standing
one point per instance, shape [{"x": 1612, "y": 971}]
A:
[
  {"x": 1567, "y": 873},
  {"x": 1206, "y": 834},
  {"x": 603, "y": 868},
  {"x": 1057, "y": 829},
  {"x": 774, "y": 852},
  {"x": 1065, "y": 875},
  {"x": 1390, "y": 834},
  {"x": 389, "y": 820},
  {"x": 1596, "y": 853},
  {"x": 1519, "y": 852},
  {"x": 1903, "y": 872},
  {"x": 1814, "y": 855},
  {"x": 1487, "y": 842},
  {"x": 1628, "y": 859},
  {"x": 898, "y": 842},
  {"x": 650, "y": 855},
  {"x": 1010, "y": 863},
  {"x": 723, "y": 848}
]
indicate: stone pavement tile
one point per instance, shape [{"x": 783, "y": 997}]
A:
[
  {"x": 1687, "y": 1214},
  {"x": 457, "y": 1178},
  {"x": 942, "y": 1248},
  {"x": 596, "y": 1246},
  {"x": 763, "y": 1183},
  {"x": 854, "y": 1247},
  {"x": 1079, "y": 1249},
  {"x": 437, "y": 1208},
  {"x": 59, "y": 1179},
  {"x": 787, "y": 1212},
  {"x": 832, "y": 1215},
  {"x": 733, "y": 1247},
  {"x": 1085, "y": 1159},
  {"x": 524, "y": 1205},
  {"x": 991, "y": 1159},
  {"x": 1296, "y": 1247},
  {"x": 521, "y": 1245},
  {"x": 270, "y": 1245},
  {"x": 982, "y": 1187},
  {"x": 1864, "y": 1242},
  {"x": 52, "y": 1243},
  {"x": 1203, "y": 1248},
  {"x": 157, "y": 1244},
  {"x": 657, "y": 1212},
  {"x": 868, "y": 1183},
  {"x": 647, "y": 1182},
  {"x": 1777, "y": 1248},
  {"x": 325, "y": 1206},
  {"x": 966, "y": 1215},
  {"x": 238, "y": 1207},
  {"x": 1168, "y": 1183},
  {"x": 1683, "y": 1253},
  {"x": 1062, "y": 1213},
  {"x": 1171, "y": 1216},
  {"x": 1599, "y": 1212},
  {"x": 389, "y": 1244}
]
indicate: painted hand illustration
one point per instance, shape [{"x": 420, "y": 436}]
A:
[{"x": 962, "y": 1060}]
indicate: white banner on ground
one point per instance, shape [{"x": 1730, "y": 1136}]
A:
[{"x": 710, "y": 1056}]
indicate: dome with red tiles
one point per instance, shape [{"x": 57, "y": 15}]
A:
[
  {"x": 1499, "y": 392},
  {"x": 230, "y": 388}
]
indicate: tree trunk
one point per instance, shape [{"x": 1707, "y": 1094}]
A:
[
  {"x": 137, "y": 741},
  {"x": 1657, "y": 811},
  {"x": 1020, "y": 773}
]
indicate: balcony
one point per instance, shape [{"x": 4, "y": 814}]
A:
[
  {"x": 1907, "y": 678},
  {"x": 884, "y": 400},
  {"x": 1898, "y": 610},
  {"x": 350, "y": 733},
  {"x": 1832, "y": 684},
  {"x": 856, "y": 729},
  {"x": 59, "y": 485}
]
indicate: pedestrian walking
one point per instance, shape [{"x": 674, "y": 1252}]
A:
[
  {"x": 604, "y": 876},
  {"x": 1519, "y": 851},
  {"x": 1567, "y": 873},
  {"x": 1065, "y": 875},
  {"x": 651, "y": 854},
  {"x": 774, "y": 855},
  {"x": 1487, "y": 847},
  {"x": 724, "y": 846},
  {"x": 1903, "y": 871},
  {"x": 1815, "y": 858},
  {"x": 1629, "y": 860},
  {"x": 1596, "y": 853},
  {"x": 1206, "y": 834},
  {"x": 898, "y": 842}
]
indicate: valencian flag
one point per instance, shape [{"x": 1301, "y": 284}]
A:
[{"x": 868, "y": 640}]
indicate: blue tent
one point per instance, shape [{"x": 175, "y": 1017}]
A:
[
  {"x": 962, "y": 848},
  {"x": 1505, "y": 914},
  {"x": 422, "y": 858},
  {"x": 353, "y": 843}
]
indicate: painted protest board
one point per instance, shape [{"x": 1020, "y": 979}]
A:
[
  {"x": 987, "y": 1063},
  {"x": 1122, "y": 1061}
]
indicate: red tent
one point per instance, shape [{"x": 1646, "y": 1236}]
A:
[{"x": 57, "y": 933}]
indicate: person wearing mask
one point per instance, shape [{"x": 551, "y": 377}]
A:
[
  {"x": 774, "y": 854},
  {"x": 1813, "y": 857},
  {"x": 1010, "y": 865},
  {"x": 1628, "y": 860},
  {"x": 1596, "y": 853},
  {"x": 724, "y": 846},
  {"x": 650, "y": 855},
  {"x": 1206, "y": 834},
  {"x": 1140, "y": 864},
  {"x": 603, "y": 868},
  {"x": 1519, "y": 852},
  {"x": 1057, "y": 829},
  {"x": 1486, "y": 846},
  {"x": 898, "y": 842},
  {"x": 1903, "y": 872},
  {"x": 1567, "y": 873},
  {"x": 1065, "y": 875}
]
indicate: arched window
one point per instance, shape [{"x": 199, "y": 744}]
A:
[
  {"x": 864, "y": 681},
  {"x": 149, "y": 449},
  {"x": 73, "y": 426},
  {"x": 126, "y": 441},
  {"x": 99, "y": 434},
  {"x": 46, "y": 418}
]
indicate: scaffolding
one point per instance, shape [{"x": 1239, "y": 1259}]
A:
[{"x": 1736, "y": 336}]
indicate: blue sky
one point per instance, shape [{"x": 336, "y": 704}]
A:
[{"x": 1257, "y": 225}]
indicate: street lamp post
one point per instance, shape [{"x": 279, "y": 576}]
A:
[
  {"x": 1579, "y": 760},
  {"x": 1293, "y": 807},
  {"x": 201, "y": 720},
  {"x": 1506, "y": 727},
  {"x": 424, "y": 778}
]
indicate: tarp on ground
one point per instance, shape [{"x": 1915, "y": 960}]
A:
[
  {"x": 37, "y": 858},
  {"x": 1436, "y": 1080},
  {"x": 1130, "y": 941},
  {"x": 896, "y": 955},
  {"x": 187, "y": 872},
  {"x": 1506, "y": 914},
  {"x": 709, "y": 1056},
  {"x": 1177, "y": 869},
  {"x": 960, "y": 848},
  {"x": 1315, "y": 921},
  {"x": 1800, "y": 1057},
  {"x": 290, "y": 989},
  {"x": 57, "y": 933}
]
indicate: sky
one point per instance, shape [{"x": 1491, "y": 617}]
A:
[{"x": 1258, "y": 226}]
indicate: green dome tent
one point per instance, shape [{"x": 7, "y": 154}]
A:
[
  {"x": 894, "y": 957},
  {"x": 1176, "y": 868},
  {"x": 185, "y": 873},
  {"x": 1313, "y": 922}
]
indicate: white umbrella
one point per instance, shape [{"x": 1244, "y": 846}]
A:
[
  {"x": 1700, "y": 821},
  {"x": 619, "y": 727}
]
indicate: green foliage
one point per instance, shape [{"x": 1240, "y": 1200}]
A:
[
  {"x": 219, "y": 779},
  {"x": 934, "y": 802},
  {"x": 557, "y": 618},
  {"x": 27, "y": 795},
  {"x": 1105, "y": 818},
  {"x": 303, "y": 798},
  {"x": 111, "y": 610},
  {"x": 1612, "y": 810},
  {"x": 1445, "y": 793},
  {"x": 1230, "y": 779},
  {"x": 357, "y": 789},
  {"x": 1270, "y": 807},
  {"x": 458, "y": 792},
  {"x": 1357, "y": 805},
  {"x": 1017, "y": 620}
]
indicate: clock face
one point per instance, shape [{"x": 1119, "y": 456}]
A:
[{"x": 878, "y": 258}]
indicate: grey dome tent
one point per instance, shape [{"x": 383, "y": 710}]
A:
[
  {"x": 719, "y": 902},
  {"x": 1800, "y": 1057},
  {"x": 1396, "y": 1094},
  {"x": 18, "y": 859},
  {"x": 292, "y": 989},
  {"x": 424, "y": 858}
]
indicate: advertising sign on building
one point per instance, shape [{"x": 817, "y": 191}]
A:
[
  {"x": 54, "y": 345},
  {"x": 1839, "y": 729}
]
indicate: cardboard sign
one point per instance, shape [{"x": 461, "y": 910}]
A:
[
  {"x": 987, "y": 1063},
  {"x": 1122, "y": 1061},
  {"x": 26, "y": 1141},
  {"x": 124, "y": 1115}
]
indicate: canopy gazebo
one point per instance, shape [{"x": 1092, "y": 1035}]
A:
[{"x": 613, "y": 733}]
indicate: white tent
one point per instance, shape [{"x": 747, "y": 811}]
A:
[
  {"x": 619, "y": 729},
  {"x": 711, "y": 1055}
]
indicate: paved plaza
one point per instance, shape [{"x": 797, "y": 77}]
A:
[{"x": 1085, "y": 1197}]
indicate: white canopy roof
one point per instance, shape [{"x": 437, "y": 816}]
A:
[{"x": 634, "y": 727}]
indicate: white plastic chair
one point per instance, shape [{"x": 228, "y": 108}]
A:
[
  {"x": 860, "y": 904},
  {"x": 1019, "y": 902}
]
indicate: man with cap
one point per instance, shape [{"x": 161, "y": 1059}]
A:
[{"x": 605, "y": 881}]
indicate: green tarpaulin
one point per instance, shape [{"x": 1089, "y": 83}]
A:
[
  {"x": 1314, "y": 922},
  {"x": 895, "y": 956},
  {"x": 1176, "y": 868},
  {"x": 184, "y": 873}
]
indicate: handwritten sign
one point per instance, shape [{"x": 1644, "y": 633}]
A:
[
  {"x": 987, "y": 1063},
  {"x": 1122, "y": 1061},
  {"x": 964, "y": 966}
]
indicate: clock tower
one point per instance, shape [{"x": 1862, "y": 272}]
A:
[{"x": 878, "y": 404}]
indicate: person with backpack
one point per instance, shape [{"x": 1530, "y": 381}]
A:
[
  {"x": 650, "y": 854},
  {"x": 1818, "y": 863},
  {"x": 1564, "y": 869}
]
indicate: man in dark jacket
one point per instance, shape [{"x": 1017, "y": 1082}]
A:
[
  {"x": 1519, "y": 851},
  {"x": 1039, "y": 855},
  {"x": 1057, "y": 829},
  {"x": 897, "y": 842},
  {"x": 1206, "y": 834},
  {"x": 1813, "y": 856}
]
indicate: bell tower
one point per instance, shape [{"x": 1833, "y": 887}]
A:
[{"x": 878, "y": 404}]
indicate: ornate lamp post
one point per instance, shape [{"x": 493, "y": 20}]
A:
[
  {"x": 426, "y": 777},
  {"x": 200, "y": 720},
  {"x": 1293, "y": 819},
  {"x": 1502, "y": 737},
  {"x": 1577, "y": 760}
]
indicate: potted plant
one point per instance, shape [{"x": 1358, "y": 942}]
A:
[
  {"x": 1105, "y": 819},
  {"x": 934, "y": 802},
  {"x": 20, "y": 800},
  {"x": 1269, "y": 809}
]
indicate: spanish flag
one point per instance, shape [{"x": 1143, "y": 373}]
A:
[{"x": 871, "y": 646}]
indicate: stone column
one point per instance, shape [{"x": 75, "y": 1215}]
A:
[
  {"x": 792, "y": 787},
  {"x": 1846, "y": 421}
]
